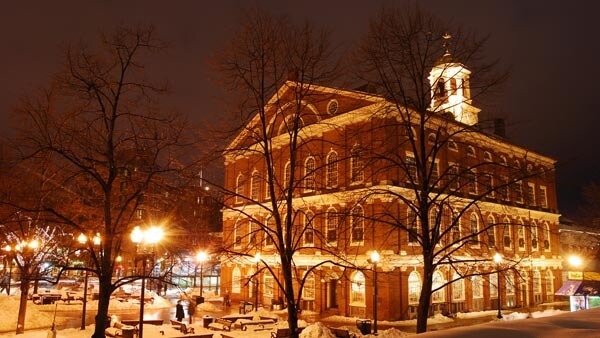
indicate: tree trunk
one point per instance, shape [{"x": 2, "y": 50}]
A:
[
  {"x": 425, "y": 297},
  {"x": 290, "y": 297},
  {"x": 103, "y": 302},
  {"x": 22, "y": 306}
]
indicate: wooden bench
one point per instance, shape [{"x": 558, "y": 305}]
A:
[
  {"x": 134, "y": 322},
  {"x": 244, "y": 323},
  {"x": 233, "y": 318},
  {"x": 220, "y": 324},
  {"x": 274, "y": 319},
  {"x": 226, "y": 336},
  {"x": 341, "y": 333}
]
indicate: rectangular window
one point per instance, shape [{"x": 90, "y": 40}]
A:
[
  {"x": 356, "y": 167},
  {"x": 332, "y": 221},
  {"x": 518, "y": 189},
  {"x": 237, "y": 234},
  {"x": 453, "y": 180},
  {"x": 412, "y": 226},
  {"x": 542, "y": 198},
  {"x": 531, "y": 194},
  {"x": 472, "y": 181},
  {"x": 411, "y": 169},
  {"x": 503, "y": 189}
]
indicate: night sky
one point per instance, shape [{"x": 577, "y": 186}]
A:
[{"x": 551, "y": 102}]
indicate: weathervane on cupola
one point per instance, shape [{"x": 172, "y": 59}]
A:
[{"x": 450, "y": 88}]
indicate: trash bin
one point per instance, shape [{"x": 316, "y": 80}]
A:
[
  {"x": 364, "y": 325},
  {"x": 127, "y": 332},
  {"x": 206, "y": 320},
  {"x": 199, "y": 300}
]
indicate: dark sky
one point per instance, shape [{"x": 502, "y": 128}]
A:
[{"x": 550, "y": 102}]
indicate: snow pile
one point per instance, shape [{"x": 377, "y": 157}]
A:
[
  {"x": 317, "y": 330},
  {"x": 208, "y": 307}
]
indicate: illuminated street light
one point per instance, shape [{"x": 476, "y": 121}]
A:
[
  {"x": 151, "y": 236},
  {"x": 498, "y": 260},
  {"x": 374, "y": 260},
  {"x": 82, "y": 239},
  {"x": 201, "y": 258}
]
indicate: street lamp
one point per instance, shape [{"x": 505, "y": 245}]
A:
[
  {"x": 151, "y": 236},
  {"x": 82, "y": 239},
  {"x": 374, "y": 261},
  {"x": 200, "y": 258},
  {"x": 498, "y": 260},
  {"x": 9, "y": 254},
  {"x": 257, "y": 260}
]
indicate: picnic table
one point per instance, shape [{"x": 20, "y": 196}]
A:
[{"x": 244, "y": 323}]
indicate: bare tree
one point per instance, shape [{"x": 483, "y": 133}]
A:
[
  {"x": 410, "y": 59},
  {"x": 273, "y": 65},
  {"x": 101, "y": 123}
]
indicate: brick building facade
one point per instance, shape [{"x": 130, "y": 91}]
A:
[{"x": 338, "y": 214}]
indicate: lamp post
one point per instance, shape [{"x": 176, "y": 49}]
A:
[
  {"x": 151, "y": 236},
  {"x": 374, "y": 261},
  {"x": 9, "y": 254},
  {"x": 82, "y": 239},
  {"x": 257, "y": 260},
  {"x": 576, "y": 263},
  {"x": 498, "y": 260},
  {"x": 200, "y": 258}
]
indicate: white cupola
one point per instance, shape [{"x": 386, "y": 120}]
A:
[{"x": 450, "y": 91}]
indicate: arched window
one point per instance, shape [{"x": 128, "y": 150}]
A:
[
  {"x": 255, "y": 186},
  {"x": 309, "y": 233},
  {"x": 452, "y": 86},
  {"x": 358, "y": 225},
  {"x": 414, "y": 287},
  {"x": 546, "y": 236},
  {"x": 239, "y": 188},
  {"x": 287, "y": 173},
  {"x": 487, "y": 156},
  {"x": 491, "y": 231},
  {"x": 431, "y": 138},
  {"x": 507, "y": 234},
  {"x": 308, "y": 291},
  {"x": 537, "y": 282},
  {"x": 253, "y": 230},
  {"x": 455, "y": 230},
  {"x": 549, "y": 285},
  {"x": 357, "y": 289},
  {"x": 494, "y": 285},
  {"x": 413, "y": 226},
  {"x": 474, "y": 227},
  {"x": 534, "y": 236},
  {"x": 236, "y": 280},
  {"x": 438, "y": 296},
  {"x": 309, "y": 174},
  {"x": 477, "y": 286},
  {"x": 521, "y": 236},
  {"x": 331, "y": 178},
  {"x": 356, "y": 165},
  {"x": 271, "y": 226},
  {"x": 440, "y": 89},
  {"x": 433, "y": 219},
  {"x": 458, "y": 287},
  {"x": 332, "y": 224},
  {"x": 237, "y": 234},
  {"x": 452, "y": 145}
]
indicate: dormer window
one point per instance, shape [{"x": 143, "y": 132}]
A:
[
  {"x": 452, "y": 145},
  {"x": 470, "y": 151}
]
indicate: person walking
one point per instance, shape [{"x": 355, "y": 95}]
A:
[
  {"x": 179, "y": 311},
  {"x": 4, "y": 284},
  {"x": 191, "y": 309}
]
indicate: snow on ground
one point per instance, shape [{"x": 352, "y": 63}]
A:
[
  {"x": 580, "y": 324},
  {"x": 550, "y": 323}
]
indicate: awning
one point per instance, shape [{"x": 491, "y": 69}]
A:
[
  {"x": 576, "y": 287},
  {"x": 568, "y": 288}
]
